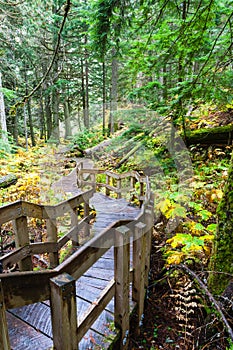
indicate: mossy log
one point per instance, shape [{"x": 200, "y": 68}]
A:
[
  {"x": 222, "y": 257},
  {"x": 8, "y": 180},
  {"x": 221, "y": 135}
]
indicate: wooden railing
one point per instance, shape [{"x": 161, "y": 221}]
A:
[
  {"x": 26, "y": 287},
  {"x": 20, "y": 211},
  {"x": 135, "y": 184}
]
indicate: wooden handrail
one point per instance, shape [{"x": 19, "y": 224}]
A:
[
  {"x": 22, "y": 288},
  {"x": 133, "y": 176},
  {"x": 19, "y": 211},
  {"x": 21, "y": 208}
]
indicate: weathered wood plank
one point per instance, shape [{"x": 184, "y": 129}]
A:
[
  {"x": 24, "y": 337},
  {"x": 102, "y": 273},
  {"x": 139, "y": 265},
  {"x": 52, "y": 237},
  {"x": 122, "y": 262},
  {"x": 89, "y": 289},
  {"x": 64, "y": 312},
  {"x": 96, "y": 308},
  {"x": 22, "y": 239},
  {"x": 85, "y": 263},
  {"x": 4, "y": 336},
  {"x": 38, "y": 315},
  {"x": 89, "y": 253},
  {"x": 33, "y": 210},
  {"x": 10, "y": 212},
  {"x": 23, "y": 288}
]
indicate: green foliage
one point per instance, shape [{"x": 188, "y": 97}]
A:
[
  {"x": 230, "y": 347},
  {"x": 9, "y": 94},
  {"x": 7, "y": 148},
  {"x": 87, "y": 139}
]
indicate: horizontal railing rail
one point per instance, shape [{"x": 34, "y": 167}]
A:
[
  {"x": 19, "y": 212},
  {"x": 112, "y": 182},
  {"x": 26, "y": 287}
]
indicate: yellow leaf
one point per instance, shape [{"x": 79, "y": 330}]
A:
[
  {"x": 175, "y": 258},
  {"x": 164, "y": 206}
]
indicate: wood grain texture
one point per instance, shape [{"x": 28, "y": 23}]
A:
[{"x": 92, "y": 266}]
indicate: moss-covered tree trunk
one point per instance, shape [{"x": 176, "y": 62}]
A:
[{"x": 222, "y": 258}]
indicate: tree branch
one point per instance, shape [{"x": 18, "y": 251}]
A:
[
  {"x": 26, "y": 97},
  {"x": 210, "y": 296}
]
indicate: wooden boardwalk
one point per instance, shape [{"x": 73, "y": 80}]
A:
[
  {"x": 105, "y": 288},
  {"x": 30, "y": 327}
]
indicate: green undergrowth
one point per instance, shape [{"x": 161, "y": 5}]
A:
[{"x": 185, "y": 200}]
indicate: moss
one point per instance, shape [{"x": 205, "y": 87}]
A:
[
  {"x": 222, "y": 257},
  {"x": 206, "y": 131},
  {"x": 217, "y": 135}
]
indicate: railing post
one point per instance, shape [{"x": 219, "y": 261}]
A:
[
  {"x": 86, "y": 213},
  {"x": 141, "y": 195},
  {"x": 79, "y": 175},
  {"x": 122, "y": 260},
  {"x": 93, "y": 180},
  {"x": 74, "y": 223},
  {"x": 64, "y": 312},
  {"x": 4, "y": 336},
  {"x": 51, "y": 226},
  {"x": 149, "y": 219},
  {"x": 119, "y": 188},
  {"x": 21, "y": 240},
  {"x": 107, "y": 192},
  {"x": 139, "y": 267},
  {"x": 132, "y": 182}
]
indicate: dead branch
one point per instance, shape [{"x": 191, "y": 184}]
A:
[{"x": 210, "y": 296}]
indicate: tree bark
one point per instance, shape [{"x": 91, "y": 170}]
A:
[
  {"x": 114, "y": 88},
  {"x": 222, "y": 258},
  {"x": 86, "y": 111},
  {"x": 104, "y": 96},
  {"x": 221, "y": 135},
  {"x": 68, "y": 130},
  {"x": 55, "y": 111},
  {"x": 3, "y": 114}
]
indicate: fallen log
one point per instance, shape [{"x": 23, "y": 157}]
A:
[
  {"x": 221, "y": 136},
  {"x": 129, "y": 154},
  {"x": 98, "y": 148},
  {"x": 8, "y": 180}
]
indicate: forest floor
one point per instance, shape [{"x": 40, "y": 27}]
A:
[{"x": 177, "y": 313}]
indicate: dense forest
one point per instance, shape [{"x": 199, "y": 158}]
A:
[
  {"x": 155, "y": 78},
  {"x": 63, "y": 61}
]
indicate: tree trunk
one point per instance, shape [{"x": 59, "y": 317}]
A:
[
  {"x": 55, "y": 110},
  {"x": 42, "y": 119},
  {"x": 104, "y": 97},
  {"x": 25, "y": 125},
  {"x": 114, "y": 88},
  {"x": 220, "y": 135},
  {"x": 3, "y": 114},
  {"x": 31, "y": 122},
  {"x": 68, "y": 130},
  {"x": 83, "y": 93},
  {"x": 86, "y": 112},
  {"x": 29, "y": 112},
  {"x": 222, "y": 258},
  {"x": 15, "y": 128},
  {"x": 48, "y": 115}
]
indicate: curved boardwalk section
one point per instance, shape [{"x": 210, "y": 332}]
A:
[{"x": 85, "y": 301}]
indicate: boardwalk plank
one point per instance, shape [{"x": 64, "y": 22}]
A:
[
  {"x": 30, "y": 326},
  {"x": 24, "y": 337}
]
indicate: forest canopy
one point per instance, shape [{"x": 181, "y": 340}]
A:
[{"x": 62, "y": 61}]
